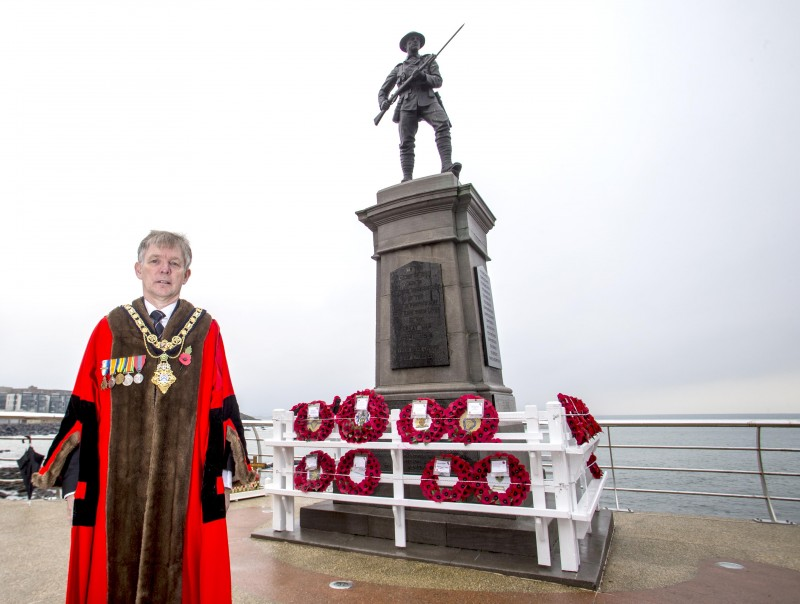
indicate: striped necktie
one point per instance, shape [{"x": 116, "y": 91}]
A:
[{"x": 157, "y": 315}]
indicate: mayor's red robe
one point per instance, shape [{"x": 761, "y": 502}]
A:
[{"x": 149, "y": 513}]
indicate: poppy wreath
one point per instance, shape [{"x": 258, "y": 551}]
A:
[
  {"x": 515, "y": 493},
  {"x": 372, "y": 473},
  {"x": 593, "y": 466},
  {"x": 433, "y": 491},
  {"x": 353, "y": 429},
  {"x": 313, "y": 429},
  {"x": 458, "y": 429},
  {"x": 433, "y": 433},
  {"x": 581, "y": 423},
  {"x": 323, "y": 476},
  {"x": 594, "y": 427}
]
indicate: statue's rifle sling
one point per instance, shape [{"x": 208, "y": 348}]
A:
[{"x": 407, "y": 84}]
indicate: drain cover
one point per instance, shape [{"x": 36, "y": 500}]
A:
[
  {"x": 731, "y": 565},
  {"x": 341, "y": 584}
]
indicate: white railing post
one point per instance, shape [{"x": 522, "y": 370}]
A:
[
  {"x": 533, "y": 436},
  {"x": 282, "y": 471},
  {"x": 564, "y": 488},
  {"x": 398, "y": 488}
]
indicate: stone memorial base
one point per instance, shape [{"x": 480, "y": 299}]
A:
[
  {"x": 500, "y": 544},
  {"x": 436, "y": 334}
]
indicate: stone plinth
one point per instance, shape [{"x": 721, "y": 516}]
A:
[{"x": 434, "y": 294}]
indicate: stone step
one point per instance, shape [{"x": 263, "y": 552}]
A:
[{"x": 513, "y": 535}]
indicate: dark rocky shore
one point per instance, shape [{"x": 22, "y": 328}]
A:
[
  {"x": 11, "y": 484},
  {"x": 32, "y": 429}
]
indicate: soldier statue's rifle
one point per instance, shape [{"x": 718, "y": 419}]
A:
[{"x": 410, "y": 80}]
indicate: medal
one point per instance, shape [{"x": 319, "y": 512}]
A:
[
  {"x": 139, "y": 378},
  {"x": 104, "y": 367},
  {"x": 163, "y": 377},
  {"x": 128, "y": 379},
  {"x": 119, "y": 365}
]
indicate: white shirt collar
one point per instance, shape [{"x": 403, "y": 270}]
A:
[{"x": 167, "y": 310}]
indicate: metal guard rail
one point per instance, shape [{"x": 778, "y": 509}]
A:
[{"x": 759, "y": 450}]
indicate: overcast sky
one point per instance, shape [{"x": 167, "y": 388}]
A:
[{"x": 641, "y": 158}]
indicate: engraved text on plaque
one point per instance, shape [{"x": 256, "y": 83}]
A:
[{"x": 418, "y": 324}]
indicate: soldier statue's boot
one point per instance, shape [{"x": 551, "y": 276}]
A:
[
  {"x": 455, "y": 168},
  {"x": 445, "y": 148},
  {"x": 407, "y": 164}
]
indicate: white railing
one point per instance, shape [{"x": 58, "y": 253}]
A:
[{"x": 562, "y": 488}]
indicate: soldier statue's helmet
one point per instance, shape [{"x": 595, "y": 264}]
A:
[{"x": 411, "y": 34}]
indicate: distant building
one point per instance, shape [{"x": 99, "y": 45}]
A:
[{"x": 34, "y": 400}]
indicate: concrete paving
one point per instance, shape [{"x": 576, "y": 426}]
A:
[{"x": 654, "y": 558}]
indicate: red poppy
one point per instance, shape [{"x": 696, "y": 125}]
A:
[
  {"x": 594, "y": 468},
  {"x": 409, "y": 433},
  {"x": 581, "y": 423},
  {"x": 519, "y": 481},
  {"x": 317, "y": 479},
  {"x": 457, "y": 427},
  {"x": 363, "y": 425},
  {"x": 315, "y": 428},
  {"x": 372, "y": 473},
  {"x": 432, "y": 490}
]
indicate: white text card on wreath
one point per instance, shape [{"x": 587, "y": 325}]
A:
[
  {"x": 475, "y": 408},
  {"x": 359, "y": 471},
  {"x": 499, "y": 466}
]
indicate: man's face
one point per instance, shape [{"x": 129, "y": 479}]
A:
[
  {"x": 162, "y": 273},
  {"x": 412, "y": 45}
]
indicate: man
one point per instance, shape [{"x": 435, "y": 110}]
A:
[
  {"x": 157, "y": 421},
  {"x": 418, "y": 102}
]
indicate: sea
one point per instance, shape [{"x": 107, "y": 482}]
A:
[
  {"x": 740, "y": 456},
  {"x": 739, "y": 459}
]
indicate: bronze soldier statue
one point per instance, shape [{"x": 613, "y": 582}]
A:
[{"x": 416, "y": 102}]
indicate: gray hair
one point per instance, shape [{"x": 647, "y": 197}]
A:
[{"x": 167, "y": 239}]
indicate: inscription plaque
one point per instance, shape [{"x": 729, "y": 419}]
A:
[
  {"x": 418, "y": 335},
  {"x": 491, "y": 344}
]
